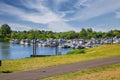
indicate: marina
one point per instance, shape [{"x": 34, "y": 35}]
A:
[
  {"x": 71, "y": 43},
  {"x": 17, "y": 49}
]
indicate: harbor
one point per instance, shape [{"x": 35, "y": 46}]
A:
[
  {"x": 69, "y": 43},
  {"x": 17, "y": 49}
]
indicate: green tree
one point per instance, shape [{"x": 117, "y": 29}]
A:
[
  {"x": 99, "y": 35},
  {"x": 5, "y": 32},
  {"x": 83, "y": 34},
  {"x": 90, "y": 33},
  {"x": 116, "y": 33},
  {"x": 109, "y": 34},
  {"x": 5, "y": 29},
  {"x": 68, "y": 35},
  {"x": 13, "y": 35}
]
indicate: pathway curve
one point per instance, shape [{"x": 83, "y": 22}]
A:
[{"x": 57, "y": 70}]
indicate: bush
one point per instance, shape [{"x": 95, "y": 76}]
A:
[
  {"x": 78, "y": 51},
  {"x": 6, "y": 71},
  {"x": 6, "y": 39}
]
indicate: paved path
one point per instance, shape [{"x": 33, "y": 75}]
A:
[{"x": 57, "y": 70}]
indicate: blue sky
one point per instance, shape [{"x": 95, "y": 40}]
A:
[{"x": 60, "y": 15}]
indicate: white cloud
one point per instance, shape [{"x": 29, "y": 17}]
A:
[
  {"x": 43, "y": 16},
  {"x": 8, "y": 9},
  {"x": 105, "y": 27},
  {"x": 97, "y": 8},
  {"x": 82, "y": 3},
  {"x": 117, "y": 14},
  {"x": 43, "y": 19},
  {"x": 57, "y": 20},
  {"x": 61, "y": 26},
  {"x": 19, "y": 27},
  {"x": 64, "y": 13}
]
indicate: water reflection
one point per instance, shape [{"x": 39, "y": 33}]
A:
[
  {"x": 16, "y": 51},
  {"x": 5, "y": 50}
]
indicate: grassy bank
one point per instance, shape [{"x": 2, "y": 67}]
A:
[
  {"x": 111, "y": 72},
  {"x": 34, "y": 63}
]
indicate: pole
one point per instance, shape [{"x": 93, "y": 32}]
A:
[
  {"x": 56, "y": 50},
  {"x": 0, "y": 62},
  {"x": 35, "y": 47},
  {"x": 57, "y": 43}
]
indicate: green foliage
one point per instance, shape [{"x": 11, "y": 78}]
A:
[
  {"x": 89, "y": 33},
  {"x": 6, "y": 71},
  {"x": 5, "y": 29},
  {"x": 69, "y": 35},
  {"x": 83, "y": 33},
  {"x": 6, "y": 34},
  {"x": 6, "y": 39},
  {"x": 78, "y": 51}
]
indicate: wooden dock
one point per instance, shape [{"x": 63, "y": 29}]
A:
[{"x": 40, "y": 55}]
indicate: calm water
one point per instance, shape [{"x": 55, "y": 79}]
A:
[{"x": 16, "y": 51}]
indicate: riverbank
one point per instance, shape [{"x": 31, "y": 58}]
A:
[
  {"x": 35, "y": 63},
  {"x": 42, "y": 73}
]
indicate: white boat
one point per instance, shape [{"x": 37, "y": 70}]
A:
[
  {"x": 22, "y": 42},
  {"x": 14, "y": 41},
  {"x": 27, "y": 42}
]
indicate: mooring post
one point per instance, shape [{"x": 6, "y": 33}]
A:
[
  {"x": 57, "y": 44},
  {"x": 35, "y": 47},
  {"x": 56, "y": 50}
]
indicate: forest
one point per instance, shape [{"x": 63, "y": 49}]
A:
[{"x": 7, "y": 34}]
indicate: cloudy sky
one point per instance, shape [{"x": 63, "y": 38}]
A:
[{"x": 61, "y": 15}]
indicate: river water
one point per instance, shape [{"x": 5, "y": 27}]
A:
[{"x": 17, "y": 51}]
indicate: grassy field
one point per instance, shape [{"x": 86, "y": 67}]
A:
[
  {"x": 34, "y": 63},
  {"x": 111, "y": 72}
]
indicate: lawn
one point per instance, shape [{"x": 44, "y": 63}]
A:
[
  {"x": 34, "y": 63},
  {"x": 111, "y": 72}
]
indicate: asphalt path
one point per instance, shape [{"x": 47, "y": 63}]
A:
[{"x": 57, "y": 70}]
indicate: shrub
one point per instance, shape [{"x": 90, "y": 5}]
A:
[
  {"x": 7, "y": 71},
  {"x": 78, "y": 51}
]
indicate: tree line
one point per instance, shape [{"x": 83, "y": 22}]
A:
[{"x": 7, "y": 34}]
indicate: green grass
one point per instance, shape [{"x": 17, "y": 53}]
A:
[
  {"x": 111, "y": 72},
  {"x": 34, "y": 63}
]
